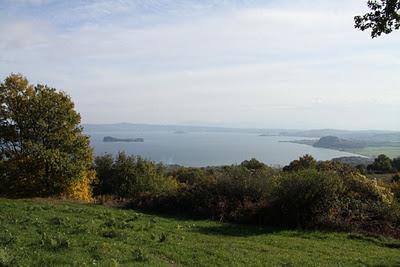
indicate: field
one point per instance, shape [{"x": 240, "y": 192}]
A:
[
  {"x": 55, "y": 233},
  {"x": 371, "y": 151}
]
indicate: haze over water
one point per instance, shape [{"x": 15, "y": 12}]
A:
[{"x": 197, "y": 149}]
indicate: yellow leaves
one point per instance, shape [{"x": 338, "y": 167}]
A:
[{"x": 81, "y": 189}]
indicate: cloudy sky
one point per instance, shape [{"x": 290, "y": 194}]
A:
[{"x": 241, "y": 63}]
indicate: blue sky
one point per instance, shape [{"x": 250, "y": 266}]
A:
[{"x": 243, "y": 63}]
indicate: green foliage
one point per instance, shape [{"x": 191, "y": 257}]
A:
[
  {"x": 381, "y": 164},
  {"x": 128, "y": 176},
  {"x": 192, "y": 176},
  {"x": 384, "y": 17},
  {"x": 305, "y": 198},
  {"x": 308, "y": 194},
  {"x": 304, "y": 162},
  {"x": 396, "y": 164},
  {"x": 253, "y": 164},
  {"x": 42, "y": 147}
]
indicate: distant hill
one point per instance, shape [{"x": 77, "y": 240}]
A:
[
  {"x": 368, "y": 135},
  {"x": 334, "y": 142},
  {"x": 131, "y": 127},
  {"x": 381, "y": 138}
]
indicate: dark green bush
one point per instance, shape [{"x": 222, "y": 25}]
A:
[
  {"x": 303, "y": 163},
  {"x": 324, "y": 195},
  {"x": 304, "y": 198},
  {"x": 192, "y": 176},
  {"x": 396, "y": 178},
  {"x": 381, "y": 164},
  {"x": 232, "y": 193},
  {"x": 129, "y": 176}
]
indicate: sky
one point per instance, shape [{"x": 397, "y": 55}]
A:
[{"x": 239, "y": 63}]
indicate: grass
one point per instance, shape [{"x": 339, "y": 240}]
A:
[
  {"x": 55, "y": 233},
  {"x": 370, "y": 151}
]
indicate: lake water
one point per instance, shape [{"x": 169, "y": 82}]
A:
[{"x": 210, "y": 148}]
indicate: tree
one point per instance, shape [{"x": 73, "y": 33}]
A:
[
  {"x": 129, "y": 176},
  {"x": 382, "y": 164},
  {"x": 383, "y": 18},
  {"x": 253, "y": 164},
  {"x": 303, "y": 163},
  {"x": 396, "y": 164},
  {"x": 43, "y": 150}
]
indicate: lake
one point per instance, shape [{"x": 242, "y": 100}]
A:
[{"x": 198, "y": 149}]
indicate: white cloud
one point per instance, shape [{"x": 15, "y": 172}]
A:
[
  {"x": 23, "y": 34},
  {"x": 29, "y": 2}
]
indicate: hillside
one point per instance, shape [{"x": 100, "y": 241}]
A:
[
  {"x": 334, "y": 142},
  {"x": 51, "y": 233}
]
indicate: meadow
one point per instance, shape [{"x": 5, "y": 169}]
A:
[{"x": 46, "y": 232}]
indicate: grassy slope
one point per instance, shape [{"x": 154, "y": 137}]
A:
[
  {"x": 44, "y": 233},
  {"x": 369, "y": 151}
]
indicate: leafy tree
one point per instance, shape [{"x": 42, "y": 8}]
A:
[
  {"x": 253, "y": 164},
  {"x": 383, "y": 18},
  {"x": 382, "y": 164},
  {"x": 129, "y": 176},
  {"x": 303, "y": 163},
  {"x": 396, "y": 178},
  {"x": 192, "y": 176},
  {"x": 396, "y": 164},
  {"x": 42, "y": 148}
]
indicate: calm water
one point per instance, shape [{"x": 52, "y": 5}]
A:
[{"x": 210, "y": 148}]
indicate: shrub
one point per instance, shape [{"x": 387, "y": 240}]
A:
[
  {"x": 129, "y": 176},
  {"x": 395, "y": 187},
  {"x": 331, "y": 200},
  {"x": 82, "y": 189},
  {"x": 192, "y": 176},
  {"x": 303, "y": 163},
  {"x": 382, "y": 164},
  {"x": 396, "y": 178},
  {"x": 232, "y": 193},
  {"x": 324, "y": 196},
  {"x": 396, "y": 164},
  {"x": 304, "y": 198}
]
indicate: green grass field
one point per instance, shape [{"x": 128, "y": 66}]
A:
[
  {"x": 391, "y": 152},
  {"x": 55, "y": 233}
]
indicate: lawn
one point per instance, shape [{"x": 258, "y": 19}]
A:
[{"x": 55, "y": 233}]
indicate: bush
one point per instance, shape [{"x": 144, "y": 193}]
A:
[
  {"x": 382, "y": 164},
  {"x": 303, "y": 163},
  {"x": 322, "y": 197},
  {"x": 304, "y": 198},
  {"x": 129, "y": 176},
  {"x": 395, "y": 187},
  {"x": 82, "y": 189},
  {"x": 396, "y": 178},
  {"x": 191, "y": 176},
  {"x": 317, "y": 199},
  {"x": 231, "y": 193},
  {"x": 396, "y": 164}
]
